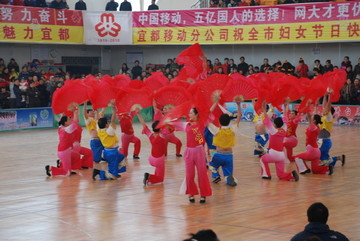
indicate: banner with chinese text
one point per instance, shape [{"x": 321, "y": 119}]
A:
[
  {"x": 44, "y": 25},
  {"x": 292, "y": 23},
  {"x": 108, "y": 28}
]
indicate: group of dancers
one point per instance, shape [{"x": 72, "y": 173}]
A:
[{"x": 201, "y": 99}]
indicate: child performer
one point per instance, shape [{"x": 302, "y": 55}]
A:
[
  {"x": 224, "y": 140},
  {"x": 261, "y": 137},
  {"x": 168, "y": 130},
  {"x": 194, "y": 156},
  {"x": 324, "y": 140},
  {"x": 312, "y": 151},
  {"x": 276, "y": 150},
  {"x": 91, "y": 118},
  {"x": 66, "y": 127},
  {"x": 127, "y": 134},
  {"x": 292, "y": 120},
  {"x": 112, "y": 155},
  {"x": 157, "y": 157}
]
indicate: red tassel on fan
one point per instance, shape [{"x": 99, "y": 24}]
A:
[
  {"x": 74, "y": 91},
  {"x": 171, "y": 95},
  {"x": 239, "y": 85},
  {"x": 156, "y": 81},
  {"x": 128, "y": 99}
]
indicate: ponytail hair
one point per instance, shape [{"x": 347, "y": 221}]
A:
[{"x": 63, "y": 119}]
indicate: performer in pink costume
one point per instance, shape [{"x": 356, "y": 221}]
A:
[
  {"x": 276, "y": 150},
  {"x": 194, "y": 156},
  {"x": 291, "y": 120},
  {"x": 157, "y": 157},
  {"x": 127, "y": 134},
  {"x": 67, "y": 126},
  {"x": 312, "y": 150}
]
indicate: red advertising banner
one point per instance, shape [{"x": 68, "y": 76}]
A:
[
  {"x": 344, "y": 114},
  {"x": 311, "y": 22},
  {"x": 28, "y": 24}
]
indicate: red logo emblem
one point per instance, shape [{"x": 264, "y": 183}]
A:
[{"x": 107, "y": 25}]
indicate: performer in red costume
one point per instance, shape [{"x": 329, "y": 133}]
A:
[
  {"x": 312, "y": 150},
  {"x": 82, "y": 156},
  {"x": 276, "y": 150},
  {"x": 127, "y": 134},
  {"x": 67, "y": 126},
  {"x": 158, "y": 149},
  {"x": 168, "y": 130},
  {"x": 291, "y": 120}
]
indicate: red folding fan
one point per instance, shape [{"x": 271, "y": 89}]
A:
[
  {"x": 156, "y": 81},
  {"x": 74, "y": 91},
  {"x": 171, "y": 95},
  {"x": 239, "y": 85},
  {"x": 127, "y": 98}
]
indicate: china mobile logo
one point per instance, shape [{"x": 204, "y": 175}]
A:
[{"x": 107, "y": 25}]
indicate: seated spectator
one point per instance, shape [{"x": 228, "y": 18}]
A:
[
  {"x": 33, "y": 71},
  {"x": 345, "y": 63},
  {"x": 44, "y": 94},
  {"x": 136, "y": 70},
  {"x": 49, "y": 74},
  {"x": 328, "y": 66},
  {"x": 5, "y": 76},
  {"x": 256, "y": 70},
  {"x": 80, "y": 5},
  {"x": 318, "y": 65},
  {"x": 13, "y": 64},
  {"x": 2, "y": 65},
  {"x": 287, "y": 68},
  {"x": 264, "y": 67},
  {"x": 356, "y": 93},
  {"x": 4, "y": 98},
  {"x": 357, "y": 68},
  {"x": 13, "y": 73},
  {"x": 64, "y": 4},
  {"x": 217, "y": 65},
  {"x": 203, "y": 235},
  {"x": 18, "y": 3},
  {"x": 24, "y": 74},
  {"x": 41, "y": 3},
  {"x": 111, "y": 6},
  {"x": 317, "y": 216},
  {"x": 29, "y": 3},
  {"x": 253, "y": 3},
  {"x": 347, "y": 93},
  {"x": 350, "y": 73},
  {"x": 316, "y": 72},
  {"x": 302, "y": 69},
  {"x": 232, "y": 4},
  {"x": 221, "y": 4},
  {"x": 213, "y": 4},
  {"x": 153, "y": 6},
  {"x": 124, "y": 69},
  {"x": 243, "y": 3}
]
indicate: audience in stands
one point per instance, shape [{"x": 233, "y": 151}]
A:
[{"x": 18, "y": 90}]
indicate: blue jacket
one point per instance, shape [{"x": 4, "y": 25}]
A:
[{"x": 319, "y": 230}]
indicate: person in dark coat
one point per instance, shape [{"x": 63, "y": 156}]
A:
[
  {"x": 317, "y": 216},
  {"x": 153, "y": 6},
  {"x": 136, "y": 70},
  {"x": 125, "y": 6},
  {"x": 80, "y": 5},
  {"x": 33, "y": 95},
  {"x": 111, "y": 6}
]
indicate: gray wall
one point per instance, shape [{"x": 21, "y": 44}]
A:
[{"x": 254, "y": 54}]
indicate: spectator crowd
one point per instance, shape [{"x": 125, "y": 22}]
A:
[{"x": 32, "y": 85}]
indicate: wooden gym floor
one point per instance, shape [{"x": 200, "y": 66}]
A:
[{"x": 35, "y": 207}]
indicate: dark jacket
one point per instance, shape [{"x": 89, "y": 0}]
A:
[
  {"x": 319, "y": 230},
  {"x": 111, "y": 6},
  {"x": 80, "y": 6},
  {"x": 153, "y": 7},
  {"x": 125, "y": 6},
  {"x": 136, "y": 71},
  {"x": 244, "y": 67}
]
